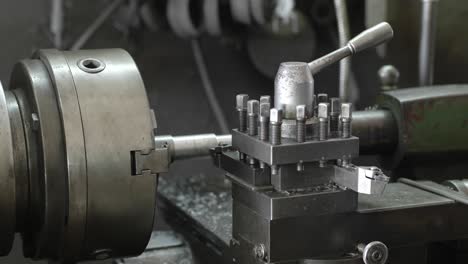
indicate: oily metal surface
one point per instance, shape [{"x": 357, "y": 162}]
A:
[
  {"x": 35, "y": 192},
  {"x": 7, "y": 180},
  {"x": 74, "y": 149},
  {"x": 116, "y": 124},
  {"x": 32, "y": 76},
  {"x": 20, "y": 159}
]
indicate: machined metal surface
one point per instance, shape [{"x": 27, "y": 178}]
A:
[
  {"x": 273, "y": 205},
  {"x": 376, "y": 129},
  {"x": 294, "y": 85},
  {"x": 421, "y": 116},
  {"x": 457, "y": 185},
  {"x": 74, "y": 129},
  {"x": 290, "y": 152},
  {"x": 7, "y": 182},
  {"x": 377, "y": 218},
  {"x": 99, "y": 118},
  {"x": 190, "y": 146},
  {"x": 74, "y": 146},
  {"x": 366, "y": 180}
]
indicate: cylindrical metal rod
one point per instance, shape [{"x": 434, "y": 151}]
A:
[
  {"x": 427, "y": 41},
  {"x": 191, "y": 146},
  {"x": 344, "y": 36},
  {"x": 56, "y": 22},
  {"x": 371, "y": 37},
  {"x": 377, "y": 131}
]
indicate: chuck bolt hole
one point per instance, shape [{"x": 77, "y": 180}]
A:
[{"x": 91, "y": 65}]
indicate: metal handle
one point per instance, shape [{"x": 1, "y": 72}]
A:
[{"x": 369, "y": 38}]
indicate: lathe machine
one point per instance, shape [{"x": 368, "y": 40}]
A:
[{"x": 81, "y": 157}]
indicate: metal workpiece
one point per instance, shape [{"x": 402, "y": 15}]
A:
[
  {"x": 369, "y": 38},
  {"x": 389, "y": 77},
  {"x": 301, "y": 117},
  {"x": 253, "y": 109},
  {"x": 323, "y": 114},
  {"x": 374, "y": 252},
  {"x": 346, "y": 118},
  {"x": 365, "y": 180},
  {"x": 241, "y": 106},
  {"x": 276, "y": 119},
  {"x": 264, "y": 121},
  {"x": 191, "y": 146},
  {"x": 428, "y": 27},
  {"x": 335, "y": 111},
  {"x": 290, "y": 152},
  {"x": 294, "y": 85}
]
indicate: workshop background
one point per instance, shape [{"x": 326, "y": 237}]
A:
[{"x": 233, "y": 62}]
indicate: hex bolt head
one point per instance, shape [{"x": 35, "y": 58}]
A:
[
  {"x": 323, "y": 110},
  {"x": 346, "y": 111},
  {"x": 252, "y": 107},
  {"x": 301, "y": 112},
  {"x": 265, "y": 99},
  {"x": 335, "y": 106},
  {"x": 241, "y": 101},
  {"x": 276, "y": 115},
  {"x": 322, "y": 98},
  {"x": 264, "y": 109}
]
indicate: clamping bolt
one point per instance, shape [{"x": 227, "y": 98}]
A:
[
  {"x": 301, "y": 117},
  {"x": 323, "y": 120},
  {"x": 241, "y": 106},
  {"x": 335, "y": 111},
  {"x": 276, "y": 119},
  {"x": 252, "y": 113},
  {"x": 264, "y": 119},
  {"x": 346, "y": 116}
]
